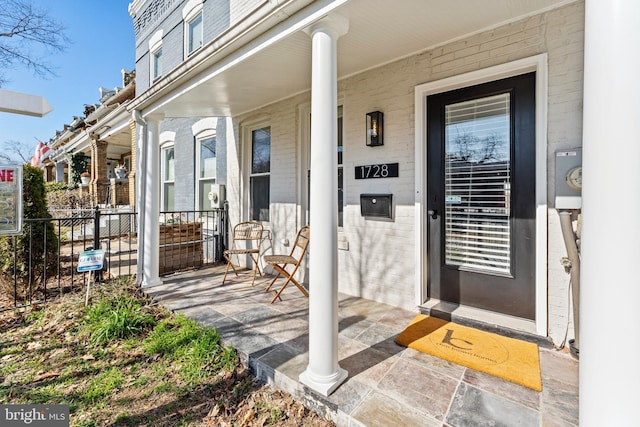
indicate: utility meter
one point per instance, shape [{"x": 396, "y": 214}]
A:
[
  {"x": 213, "y": 196},
  {"x": 569, "y": 179},
  {"x": 574, "y": 178},
  {"x": 217, "y": 196}
]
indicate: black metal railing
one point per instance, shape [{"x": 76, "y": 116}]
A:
[
  {"x": 43, "y": 261},
  {"x": 191, "y": 239}
]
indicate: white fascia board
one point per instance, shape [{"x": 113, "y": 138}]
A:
[
  {"x": 81, "y": 142},
  {"x": 98, "y": 113},
  {"x": 59, "y": 141},
  {"x": 63, "y": 139},
  {"x": 228, "y": 51},
  {"x": 116, "y": 120},
  {"x": 116, "y": 128}
]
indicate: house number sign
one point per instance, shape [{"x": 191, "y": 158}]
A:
[
  {"x": 10, "y": 200},
  {"x": 384, "y": 170}
]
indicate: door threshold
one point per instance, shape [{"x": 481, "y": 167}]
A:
[{"x": 501, "y": 324}]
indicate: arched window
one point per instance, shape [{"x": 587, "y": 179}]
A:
[
  {"x": 168, "y": 196},
  {"x": 206, "y": 173},
  {"x": 155, "y": 54},
  {"x": 193, "y": 27}
]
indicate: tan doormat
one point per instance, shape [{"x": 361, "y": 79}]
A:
[{"x": 513, "y": 360}]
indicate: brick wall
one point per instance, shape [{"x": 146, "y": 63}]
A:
[
  {"x": 184, "y": 152},
  {"x": 218, "y": 17},
  {"x": 379, "y": 263},
  {"x": 185, "y": 158},
  {"x": 99, "y": 179}
]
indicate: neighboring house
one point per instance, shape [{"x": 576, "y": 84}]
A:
[
  {"x": 105, "y": 135},
  {"x": 191, "y": 160},
  {"x": 449, "y": 200}
]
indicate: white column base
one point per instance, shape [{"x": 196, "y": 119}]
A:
[
  {"x": 323, "y": 385},
  {"x": 148, "y": 283}
]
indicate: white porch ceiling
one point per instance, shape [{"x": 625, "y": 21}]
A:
[
  {"x": 115, "y": 130},
  {"x": 380, "y": 31},
  {"x": 120, "y": 143}
]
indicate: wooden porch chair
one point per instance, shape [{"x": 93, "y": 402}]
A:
[
  {"x": 246, "y": 240},
  {"x": 287, "y": 265}
]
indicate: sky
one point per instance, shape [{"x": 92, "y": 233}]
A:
[{"x": 102, "y": 43}]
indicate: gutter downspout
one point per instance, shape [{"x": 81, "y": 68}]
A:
[
  {"x": 141, "y": 184},
  {"x": 574, "y": 258}
]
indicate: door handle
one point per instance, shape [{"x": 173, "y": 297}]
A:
[{"x": 433, "y": 213}]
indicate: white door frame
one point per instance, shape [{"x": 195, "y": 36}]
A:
[
  {"x": 538, "y": 64},
  {"x": 246, "y": 129}
]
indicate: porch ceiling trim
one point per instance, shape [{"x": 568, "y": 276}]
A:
[
  {"x": 117, "y": 132},
  {"x": 79, "y": 143},
  {"x": 221, "y": 55},
  {"x": 271, "y": 59}
]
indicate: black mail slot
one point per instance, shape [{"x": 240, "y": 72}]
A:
[{"x": 376, "y": 205}]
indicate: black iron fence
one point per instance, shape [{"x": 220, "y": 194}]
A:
[
  {"x": 191, "y": 239},
  {"x": 43, "y": 261}
]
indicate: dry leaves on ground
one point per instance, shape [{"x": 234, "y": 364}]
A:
[{"x": 45, "y": 358}]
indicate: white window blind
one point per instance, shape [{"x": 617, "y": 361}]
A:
[{"x": 478, "y": 185}]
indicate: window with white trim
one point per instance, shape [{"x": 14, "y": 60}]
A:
[
  {"x": 155, "y": 55},
  {"x": 340, "y": 170},
  {"x": 260, "y": 174},
  {"x": 206, "y": 173},
  {"x": 193, "y": 26},
  {"x": 156, "y": 65},
  {"x": 168, "y": 178},
  {"x": 306, "y": 123},
  {"x": 206, "y": 165},
  {"x": 195, "y": 34}
]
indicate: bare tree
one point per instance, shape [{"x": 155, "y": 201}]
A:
[
  {"x": 28, "y": 36},
  {"x": 15, "y": 151},
  {"x": 472, "y": 148}
]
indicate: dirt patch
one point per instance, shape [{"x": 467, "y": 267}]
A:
[{"x": 47, "y": 357}]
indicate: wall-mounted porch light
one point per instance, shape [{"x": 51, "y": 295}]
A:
[{"x": 374, "y": 129}]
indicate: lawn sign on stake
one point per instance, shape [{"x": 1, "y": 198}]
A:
[{"x": 90, "y": 261}]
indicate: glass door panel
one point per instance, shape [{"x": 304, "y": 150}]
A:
[{"x": 477, "y": 184}]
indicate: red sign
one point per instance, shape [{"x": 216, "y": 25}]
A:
[
  {"x": 6, "y": 175},
  {"x": 10, "y": 200}
]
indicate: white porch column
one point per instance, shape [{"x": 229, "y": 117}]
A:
[
  {"x": 323, "y": 374},
  {"x": 610, "y": 291},
  {"x": 151, "y": 200}
]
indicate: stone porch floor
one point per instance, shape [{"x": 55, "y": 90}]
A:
[{"x": 388, "y": 385}]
